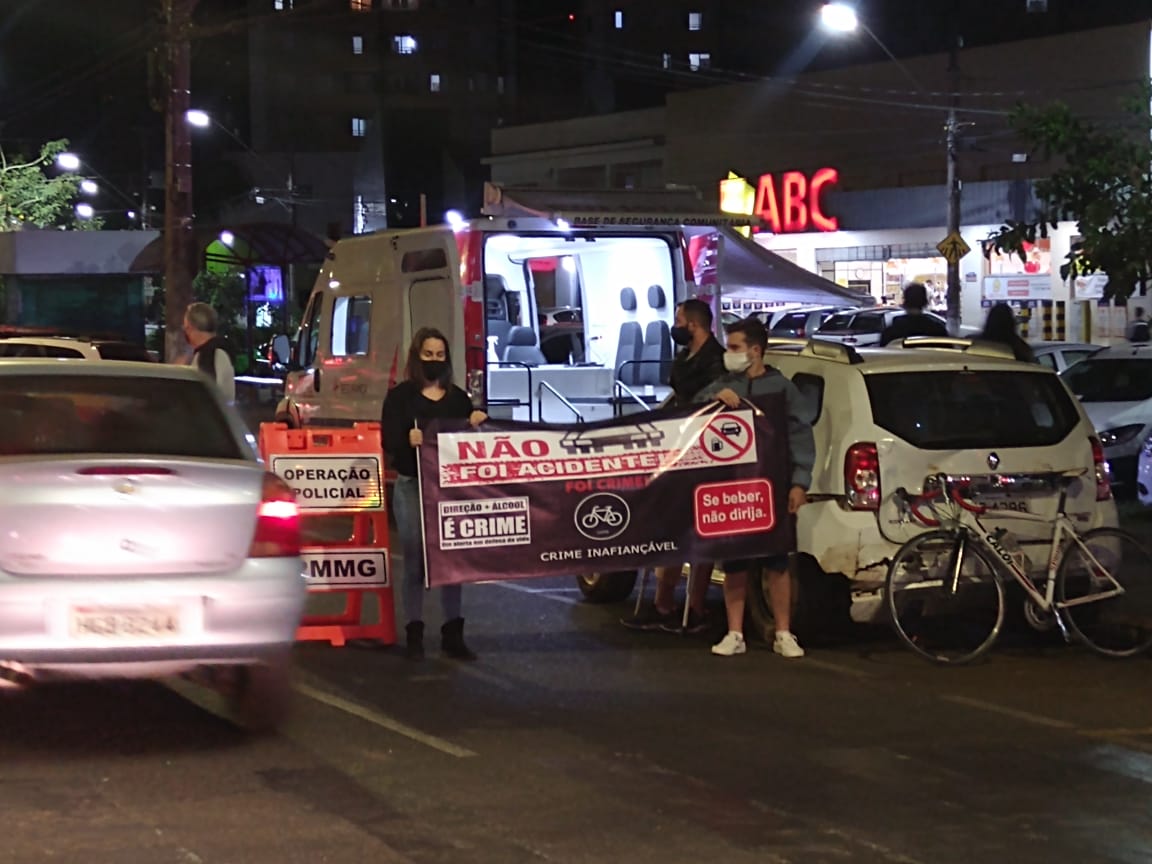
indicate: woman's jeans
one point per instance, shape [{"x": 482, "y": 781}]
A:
[{"x": 406, "y": 508}]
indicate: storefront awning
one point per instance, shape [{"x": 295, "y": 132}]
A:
[
  {"x": 747, "y": 266},
  {"x": 274, "y": 243}
]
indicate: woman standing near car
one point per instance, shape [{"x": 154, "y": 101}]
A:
[
  {"x": 426, "y": 394},
  {"x": 1000, "y": 326}
]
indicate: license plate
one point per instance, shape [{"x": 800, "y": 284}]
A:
[
  {"x": 144, "y": 622},
  {"x": 1019, "y": 505}
]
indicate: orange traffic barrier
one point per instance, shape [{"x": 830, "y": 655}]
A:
[{"x": 338, "y": 478}]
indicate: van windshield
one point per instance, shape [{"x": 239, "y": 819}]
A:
[{"x": 955, "y": 409}]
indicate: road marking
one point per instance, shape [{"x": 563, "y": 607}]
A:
[
  {"x": 537, "y": 592},
  {"x": 383, "y": 721},
  {"x": 1026, "y": 716}
]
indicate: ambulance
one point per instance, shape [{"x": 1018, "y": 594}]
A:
[{"x": 545, "y": 320}]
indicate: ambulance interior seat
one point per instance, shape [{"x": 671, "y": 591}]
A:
[
  {"x": 496, "y": 310},
  {"x": 631, "y": 342},
  {"x": 657, "y": 350},
  {"x": 522, "y": 347}
]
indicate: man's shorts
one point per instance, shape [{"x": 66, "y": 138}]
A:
[{"x": 778, "y": 563}]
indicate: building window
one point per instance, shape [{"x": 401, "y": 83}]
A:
[
  {"x": 351, "y": 319},
  {"x": 434, "y": 83},
  {"x": 405, "y": 43},
  {"x": 357, "y": 44},
  {"x": 360, "y": 5},
  {"x": 282, "y": 5},
  {"x": 695, "y": 20},
  {"x": 618, "y": 19},
  {"x": 696, "y": 62},
  {"x": 666, "y": 60},
  {"x": 359, "y": 127}
]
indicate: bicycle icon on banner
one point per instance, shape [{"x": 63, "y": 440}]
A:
[{"x": 602, "y": 516}]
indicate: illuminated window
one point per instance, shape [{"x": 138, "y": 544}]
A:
[
  {"x": 404, "y": 44},
  {"x": 434, "y": 83},
  {"x": 619, "y": 19},
  {"x": 359, "y": 127},
  {"x": 666, "y": 60},
  {"x": 696, "y": 62},
  {"x": 357, "y": 44},
  {"x": 281, "y": 5},
  {"x": 360, "y": 5},
  {"x": 694, "y": 20}
]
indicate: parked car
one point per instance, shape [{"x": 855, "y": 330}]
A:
[
  {"x": 1058, "y": 356},
  {"x": 887, "y": 418},
  {"x": 142, "y": 535},
  {"x": 803, "y": 322},
  {"x": 1115, "y": 387},
  {"x": 863, "y": 327},
  {"x": 73, "y": 347}
]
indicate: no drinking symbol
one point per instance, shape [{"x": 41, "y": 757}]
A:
[{"x": 726, "y": 438}]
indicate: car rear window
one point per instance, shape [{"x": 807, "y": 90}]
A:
[
  {"x": 124, "y": 351},
  {"x": 1117, "y": 379},
  {"x": 112, "y": 414},
  {"x": 840, "y": 321},
  {"x": 791, "y": 321},
  {"x": 29, "y": 349},
  {"x": 955, "y": 409}
]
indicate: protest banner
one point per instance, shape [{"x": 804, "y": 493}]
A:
[{"x": 516, "y": 500}]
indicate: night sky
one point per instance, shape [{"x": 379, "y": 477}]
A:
[{"x": 80, "y": 68}]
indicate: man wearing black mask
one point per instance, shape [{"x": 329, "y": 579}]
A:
[{"x": 698, "y": 363}]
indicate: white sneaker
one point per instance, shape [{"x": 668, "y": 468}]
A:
[
  {"x": 785, "y": 645},
  {"x": 731, "y": 644}
]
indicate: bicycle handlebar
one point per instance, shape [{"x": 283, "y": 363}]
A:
[{"x": 956, "y": 492}]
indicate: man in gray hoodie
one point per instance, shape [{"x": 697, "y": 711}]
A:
[{"x": 749, "y": 378}]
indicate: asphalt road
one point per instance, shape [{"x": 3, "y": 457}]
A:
[{"x": 573, "y": 740}]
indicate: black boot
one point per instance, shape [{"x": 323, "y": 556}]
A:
[
  {"x": 414, "y": 646},
  {"x": 452, "y": 641}
]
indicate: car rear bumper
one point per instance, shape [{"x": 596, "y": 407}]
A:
[{"x": 248, "y": 615}]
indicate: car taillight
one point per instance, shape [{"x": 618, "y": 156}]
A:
[
  {"x": 862, "y": 477},
  {"x": 1103, "y": 471},
  {"x": 277, "y": 522}
]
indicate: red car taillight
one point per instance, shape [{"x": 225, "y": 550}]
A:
[
  {"x": 1103, "y": 471},
  {"x": 277, "y": 522},
  {"x": 862, "y": 477}
]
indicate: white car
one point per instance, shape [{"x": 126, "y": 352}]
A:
[
  {"x": 72, "y": 348},
  {"x": 888, "y": 418},
  {"x": 1115, "y": 388},
  {"x": 861, "y": 328},
  {"x": 1059, "y": 356},
  {"x": 142, "y": 537}
]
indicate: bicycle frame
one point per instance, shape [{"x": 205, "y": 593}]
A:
[{"x": 970, "y": 525}]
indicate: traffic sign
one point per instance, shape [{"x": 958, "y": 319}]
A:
[{"x": 953, "y": 247}]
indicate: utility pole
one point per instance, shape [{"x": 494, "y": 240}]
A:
[
  {"x": 178, "y": 253},
  {"x": 954, "y": 184}
]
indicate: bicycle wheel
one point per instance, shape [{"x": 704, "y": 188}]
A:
[
  {"x": 939, "y": 624},
  {"x": 1119, "y": 625}
]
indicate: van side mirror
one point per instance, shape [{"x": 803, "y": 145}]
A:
[{"x": 282, "y": 349}]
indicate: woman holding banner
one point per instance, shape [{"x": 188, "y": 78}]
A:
[{"x": 426, "y": 394}]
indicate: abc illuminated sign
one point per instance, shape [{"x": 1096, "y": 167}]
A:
[{"x": 788, "y": 205}]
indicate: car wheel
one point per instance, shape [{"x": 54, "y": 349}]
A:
[
  {"x": 606, "y": 587},
  {"x": 260, "y": 695}
]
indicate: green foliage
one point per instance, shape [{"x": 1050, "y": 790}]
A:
[
  {"x": 1104, "y": 184},
  {"x": 31, "y": 198}
]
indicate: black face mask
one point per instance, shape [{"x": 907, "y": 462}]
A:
[
  {"x": 433, "y": 369},
  {"x": 681, "y": 335}
]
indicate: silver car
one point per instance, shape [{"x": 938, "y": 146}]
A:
[{"x": 140, "y": 536}]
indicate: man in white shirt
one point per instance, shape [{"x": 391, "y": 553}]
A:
[{"x": 208, "y": 353}]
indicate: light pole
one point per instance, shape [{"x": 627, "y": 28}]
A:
[
  {"x": 178, "y": 263},
  {"x": 842, "y": 18}
]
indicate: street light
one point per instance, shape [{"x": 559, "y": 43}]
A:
[
  {"x": 68, "y": 161},
  {"x": 840, "y": 17},
  {"x": 198, "y": 118},
  {"x": 89, "y": 187},
  {"x": 85, "y": 211}
]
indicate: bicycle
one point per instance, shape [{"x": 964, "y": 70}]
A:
[
  {"x": 945, "y": 587},
  {"x": 605, "y": 514}
]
